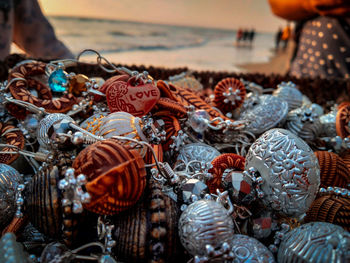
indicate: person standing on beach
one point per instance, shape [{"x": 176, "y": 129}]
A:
[
  {"x": 239, "y": 35},
  {"x": 286, "y": 35},
  {"x": 322, "y": 36},
  {"x": 22, "y": 22},
  {"x": 251, "y": 36},
  {"x": 278, "y": 38}
]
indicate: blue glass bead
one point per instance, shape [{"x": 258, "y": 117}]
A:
[{"x": 58, "y": 81}]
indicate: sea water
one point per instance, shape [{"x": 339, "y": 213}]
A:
[{"x": 161, "y": 45}]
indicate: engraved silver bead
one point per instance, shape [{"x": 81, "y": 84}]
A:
[
  {"x": 315, "y": 242},
  {"x": 10, "y": 179},
  {"x": 248, "y": 249},
  {"x": 304, "y": 122},
  {"x": 197, "y": 151},
  {"x": 289, "y": 93},
  {"x": 205, "y": 222},
  {"x": 289, "y": 169},
  {"x": 268, "y": 113},
  {"x": 58, "y": 121}
]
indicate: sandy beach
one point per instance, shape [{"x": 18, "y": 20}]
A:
[{"x": 278, "y": 64}]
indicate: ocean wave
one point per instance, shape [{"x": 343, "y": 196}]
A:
[
  {"x": 156, "y": 47},
  {"x": 120, "y": 33}
]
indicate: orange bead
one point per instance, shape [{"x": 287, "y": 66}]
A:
[{"x": 116, "y": 176}]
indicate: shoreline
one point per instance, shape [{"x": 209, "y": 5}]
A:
[{"x": 278, "y": 63}]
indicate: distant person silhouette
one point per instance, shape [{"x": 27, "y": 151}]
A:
[
  {"x": 252, "y": 36},
  {"x": 278, "y": 38},
  {"x": 239, "y": 35},
  {"x": 322, "y": 36},
  {"x": 286, "y": 35},
  {"x": 22, "y": 22}
]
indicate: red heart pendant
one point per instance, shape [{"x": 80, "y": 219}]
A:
[{"x": 137, "y": 100}]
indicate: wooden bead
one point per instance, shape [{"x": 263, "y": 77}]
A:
[{"x": 116, "y": 176}]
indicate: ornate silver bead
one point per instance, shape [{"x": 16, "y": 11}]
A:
[
  {"x": 267, "y": 114},
  {"x": 205, "y": 222},
  {"x": 10, "y": 179},
  {"x": 289, "y": 169},
  {"x": 304, "y": 122},
  {"x": 289, "y": 93},
  {"x": 248, "y": 249},
  {"x": 315, "y": 242},
  {"x": 199, "y": 152},
  {"x": 58, "y": 121},
  {"x": 328, "y": 124}
]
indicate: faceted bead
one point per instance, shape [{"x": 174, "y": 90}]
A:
[
  {"x": 78, "y": 84},
  {"x": 199, "y": 120},
  {"x": 262, "y": 226},
  {"x": 193, "y": 187},
  {"x": 239, "y": 186},
  {"x": 58, "y": 81}
]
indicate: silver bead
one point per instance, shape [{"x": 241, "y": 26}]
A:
[
  {"x": 78, "y": 138},
  {"x": 204, "y": 222},
  {"x": 328, "y": 124},
  {"x": 69, "y": 172},
  {"x": 81, "y": 179},
  {"x": 304, "y": 123},
  {"x": 193, "y": 187},
  {"x": 315, "y": 242},
  {"x": 289, "y": 169},
  {"x": 289, "y": 93},
  {"x": 267, "y": 114},
  {"x": 58, "y": 121},
  {"x": 248, "y": 249},
  {"x": 197, "y": 151},
  {"x": 10, "y": 179}
]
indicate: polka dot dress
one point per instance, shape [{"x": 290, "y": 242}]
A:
[{"x": 324, "y": 49}]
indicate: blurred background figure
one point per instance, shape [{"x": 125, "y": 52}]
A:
[
  {"x": 22, "y": 22},
  {"x": 245, "y": 35},
  {"x": 322, "y": 36},
  {"x": 286, "y": 35},
  {"x": 251, "y": 36},
  {"x": 278, "y": 38},
  {"x": 239, "y": 35}
]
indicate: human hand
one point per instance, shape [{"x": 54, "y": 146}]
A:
[{"x": 329, "y": 7}]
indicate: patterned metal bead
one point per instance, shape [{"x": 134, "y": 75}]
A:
[
  {"x": 122, "y": 124},
  {"x": 9, "y": 180},
  {"x": 116, "y": 176},
  {"x": 328, "y": 124},
  {"x": 147, "y": 232},
  {"x": 289, "y": 169},
  {"x": 44, "y": 202},
  {"x": 248, "y": 249},
  {"x": 93, "y": 123},
  {"x": 304, "y": 123},
  {"x": 332, "y": 209},
  {"x": 58, "y": 121},
  {"x": 198, "y": 151},
  {"x": 205, "y": 222},
  {"x": 288, "y": 92},
  {"x": 315, "y": 242},
  {"x": 267, "y": 114}
]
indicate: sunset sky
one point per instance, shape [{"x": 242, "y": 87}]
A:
[{"x": 229, "y": 14}]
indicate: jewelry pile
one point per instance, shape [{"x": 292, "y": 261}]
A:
[{"x": 137, "y": 169}]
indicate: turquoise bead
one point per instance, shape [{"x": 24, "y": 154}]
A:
[{"x": 58, "y": 81}]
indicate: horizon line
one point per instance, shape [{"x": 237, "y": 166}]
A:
[{"x": 145, "y": 22}]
